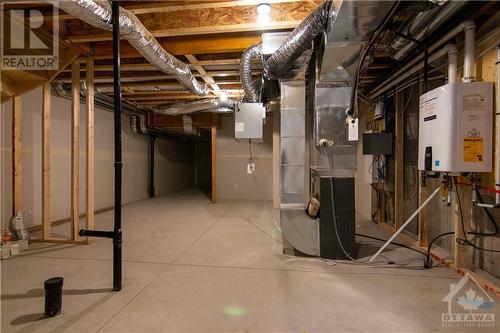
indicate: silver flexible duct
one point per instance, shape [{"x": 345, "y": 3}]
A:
[
  {"x": 298, "y": 41},
  {"x": 247, "y": 58},
  {"x": 423, "y": 25},
  {"x": 98, "y": 14},
  {"x": 64, "y": 90},
  {"x": 211, "y": 105},
  {"x": 143, "y": 124},
  {"x": 133, "y": 124}
]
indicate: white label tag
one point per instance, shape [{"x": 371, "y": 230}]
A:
[
  {"x": 239, "y": 127},
  {"x": 353, "y": 130}
]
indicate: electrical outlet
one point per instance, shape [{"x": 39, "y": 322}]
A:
[{"x": 250, "y": 167}]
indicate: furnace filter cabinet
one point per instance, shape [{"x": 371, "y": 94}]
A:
[{"x": 455, "y": 128}]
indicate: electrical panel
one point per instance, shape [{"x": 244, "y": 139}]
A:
[
  {"x": 377, "y": 143},
  {"x": 248, "y": 120},
  {"x": 455, "y": 128}
]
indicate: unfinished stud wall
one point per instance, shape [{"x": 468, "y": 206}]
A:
[
  {"x": 173, "y": 173},
  {"x": 233, "y": 182},
  {"x": 362, "y": 176}
]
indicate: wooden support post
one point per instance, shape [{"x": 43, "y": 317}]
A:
[
  {"x": 17, "y": 152},
  {"x": 276, "y": 159},
  {"x": 461, "y": 258},
  {"x": 399, "y": 162},
  {"x": 75, "y": 147},
  {"x": 213, "y": 157},
  {"x": 423, "y": 217},
  {"x": 46, "y": 111},
  {"x": 90, "y": 145}
]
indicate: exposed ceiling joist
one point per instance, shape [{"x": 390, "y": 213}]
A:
[
  {"x": 165, "y": 7},
  {"x": 184, "y": 45},
  {"x": 207, "y": 30}
]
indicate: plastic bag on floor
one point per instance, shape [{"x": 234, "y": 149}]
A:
[{"x": 16, "y": 227}]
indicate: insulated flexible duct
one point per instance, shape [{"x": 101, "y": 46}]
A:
[
  {"x": 98, "y": 14},
  {"x": 423, "y": 25},
  {"x": 212, "y": 105},
  {"x": 133, "y": 124},
  {"x": 247, "y": 58},
  {"x": 298, "y": 41}
]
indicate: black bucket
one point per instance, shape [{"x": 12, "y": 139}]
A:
[{"x": 53, "y": 296}]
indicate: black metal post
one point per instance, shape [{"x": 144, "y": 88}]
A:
[
  {"x": 117, "y": 240},
  {"x": 151, "y": 186},
  {"x": 426, "y": 70},
  {"x": 116, "y": 234}
]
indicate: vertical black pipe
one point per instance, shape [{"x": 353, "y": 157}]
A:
[
  {"x": 426, "y": 70},
  {"x": 151, "y": 186},
  {"x": 117, "y": 239}
]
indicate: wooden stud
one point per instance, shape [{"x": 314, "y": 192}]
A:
[
  {"x": 399, "y": 163},
  {"x": 90, "y": 145},
  {"x": 75, "y": 148},
  {"x": 17, "y": 152},
  {"x": 46, "y": 112},
  {"x": 213, "y": 157},
  {"x": 423, "y": 217},
  {"x": 461, "y": 258},
  {"x": 61, "y": 241}
]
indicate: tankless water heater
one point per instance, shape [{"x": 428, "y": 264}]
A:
[{"x": 455, "y": 128}]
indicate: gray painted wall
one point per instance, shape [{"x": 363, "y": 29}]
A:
[
  {"x": 233, "y": 182},
  {"x": 173, "y": 165}
]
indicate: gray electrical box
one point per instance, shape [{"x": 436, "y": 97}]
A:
[{"x": 249, "y": 120}]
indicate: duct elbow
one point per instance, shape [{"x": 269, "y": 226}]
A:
[{"x": 246, "y": 62}]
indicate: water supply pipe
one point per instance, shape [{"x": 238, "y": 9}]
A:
[
  {"x": 422, "y": 206},
  {"x": 116, "y": 233}
]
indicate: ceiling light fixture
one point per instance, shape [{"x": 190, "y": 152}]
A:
[
  {"x": 223, "y": 96},
  {"x": 263, "y": 11}
]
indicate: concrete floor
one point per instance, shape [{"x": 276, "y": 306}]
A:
[{"x": 190, "y": 266}]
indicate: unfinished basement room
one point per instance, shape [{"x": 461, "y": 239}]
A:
[{"x": 272, "y": 166}]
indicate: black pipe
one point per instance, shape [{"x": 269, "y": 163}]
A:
[
  {"x": 151, "y": 186},
  {"x": 116, "y": 234},
  {"x": 117, "y": 239},
  {"x": 426, "y": 70}
]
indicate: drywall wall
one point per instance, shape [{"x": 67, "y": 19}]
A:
[
  {"x": 174, "y": 166},
  {"x": 233, "y": 182},
  {"x": 173, "y": 163}
]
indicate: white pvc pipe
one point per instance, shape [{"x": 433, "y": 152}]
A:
[
  {"x": 470, "y": 36},
  {"x": 422, "y": 206},
  {"x": 497, "y": 136},
  {"x": 452, "y": 63}
]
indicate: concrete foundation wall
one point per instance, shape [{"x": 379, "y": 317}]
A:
[
  {"x": 233, "y": 182},
  {"x": 174, "y": 166}
]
